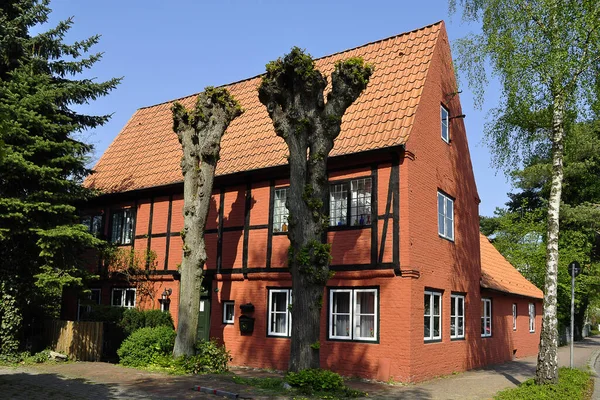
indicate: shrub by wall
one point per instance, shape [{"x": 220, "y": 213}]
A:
[{"x": 145, "y": 345}]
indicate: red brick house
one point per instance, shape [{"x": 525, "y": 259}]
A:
[{"x": 417, "y": 293}]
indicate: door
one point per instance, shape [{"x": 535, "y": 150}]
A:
[{"x": 204, "y": 316}]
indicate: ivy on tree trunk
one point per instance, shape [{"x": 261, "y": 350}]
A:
[
  {"x": 292, "y": 91},
  {"x": 199, "y": 131}
]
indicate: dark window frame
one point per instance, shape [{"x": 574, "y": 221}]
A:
[{"x": 121, "y": 240}]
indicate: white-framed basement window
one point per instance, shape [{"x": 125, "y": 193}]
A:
[
  {"x": 457, "y": 316},
  {"x": 353, "y": 314},
  {"x": 531, "y": 317},
  {"x": 486, "y": 317},
  {"x": 279, "y": 314},
  {"x": 432, "y": 316},
  {"x": 514, "y": 315},
  {"x": 445, "y": 216},
  {"x": 123, "y": 297},
  {"x": 228, "y": 312}
]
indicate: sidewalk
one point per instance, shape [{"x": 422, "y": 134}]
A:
[{"x": 86, "y": 380}]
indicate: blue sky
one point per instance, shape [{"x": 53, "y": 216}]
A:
[{"x": 170, "y": 49}]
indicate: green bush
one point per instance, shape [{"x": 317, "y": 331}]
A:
[
  {"x": 134, "y": 319},
  {"x": 145, "y": 345},
  {"x": 315, "y": 380},
  {"x": 210, "y": 358},
  {"x": 102, "y": 313},
  {"x": 573, "y": 384}
]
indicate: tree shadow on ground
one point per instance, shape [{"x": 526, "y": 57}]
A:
[{"x": 23, "y": 385}]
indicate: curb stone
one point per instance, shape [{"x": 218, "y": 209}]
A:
[{"x": 592, "y": 366}]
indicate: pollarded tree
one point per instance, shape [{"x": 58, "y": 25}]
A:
[
  {"x": 43, "y": 163},
  {"x": 199, "y": 131},
  {"x": 292, "y": 90},
  {"x": 546, "y": 54}
]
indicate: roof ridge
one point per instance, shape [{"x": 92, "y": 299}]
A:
[{"x": 316, "y": 59}]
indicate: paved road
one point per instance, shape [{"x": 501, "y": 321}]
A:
[{"x": 106, "y": 381}]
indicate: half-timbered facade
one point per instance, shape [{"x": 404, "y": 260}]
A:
[{"x": 416, "y": 293}]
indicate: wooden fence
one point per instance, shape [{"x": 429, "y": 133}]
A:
[{"x": 78, "y": 339}]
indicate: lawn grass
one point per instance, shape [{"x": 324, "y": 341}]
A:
[
  {"x": 573, "y": 384},
  {"x": 274, "y": 386}
]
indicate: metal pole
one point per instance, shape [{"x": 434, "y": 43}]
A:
[{"x": 572, "y": 314}]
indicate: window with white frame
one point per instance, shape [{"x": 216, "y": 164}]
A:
[
  {"x": 350, "y": 203},
  {"x": 123, "y": 297},
  {"x": 445, "y": 124},
  {"x": 457, "y": 316},
  {"x": 514, "y": 314},
  {"x": 122, "y": 226},
  {"x": 486, "y": 317},
  {"x": 280, "y": 211},
  {"x": 228, "y": 312},
  {"x": 353, "y": 314},
  {"x": 531, "y": 317},
  {"x": 433, "y": 315},
  {"x": 84, "y": 306},
  {"x": 445, "y": 216},
  {"x": 93, "y": 223},
  {"x": 279, "y": 315}
]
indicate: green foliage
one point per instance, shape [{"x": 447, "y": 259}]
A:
[
  {"x": 356, "y": 70},
  {"x": 43, "y": 160},
  {"x": 545, "y": 54},
  {"x": 316, "y": 383},
  {"x": 315, "y": 380},
  {"x": 519, "y": 230},
  {"x": 210, "y": 358},
  {"x": 145, "y": 345},
  {"x": 25, "y": 358},
  {"x": 104, "y": 313},
  {"x": 573, "y": 384},
  {"x": 271, "y": 384},
  {"x": 134, "y": 319}
]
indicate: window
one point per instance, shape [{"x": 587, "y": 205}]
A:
[
  {"x": 457, "y": 316},
  {"x": 445, "y": 216},
  {"x": 84, "y": 306},
  {"x": 280, "y": 211},
  {"x": 531, "y": 317},
  {"x": 514, "y": 311},
  {"x": 228, "y": 312},
  {"x": 353, "y": 314},
  {"x": 280, "y": 317},
  {"x": 93, "y": 223},
  {"x": 123, "y": 297},
  {"x": 350, "y": 203},
  {"x": 122, "y": 226},
  {"x": 445, "y": 129},
  {"x": 433, "y": 315},
  {"x": 486, "y": 317}
]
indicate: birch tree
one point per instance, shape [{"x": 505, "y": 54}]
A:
[
  {"x": 199, "y": 131},
  {"x": 292, "y": 91},
  {"x": 546, "y": 55}
]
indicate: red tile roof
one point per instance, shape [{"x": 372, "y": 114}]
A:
[
  {"x": 498, "y": 274},
  {"x": 146, "y": 152}
]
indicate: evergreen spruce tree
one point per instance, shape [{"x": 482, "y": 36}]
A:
[{"x": 42, "y": 163}]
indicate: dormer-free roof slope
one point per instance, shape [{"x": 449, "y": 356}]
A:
[
  {"x": 146, "y": 153},
  {"x": 498, "y": 274}
]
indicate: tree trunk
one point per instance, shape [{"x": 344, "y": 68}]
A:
[
  {"x": 547, "y": 364},
  {"x": 199, "y": 131},
  {"x": 292, "y": 91}
]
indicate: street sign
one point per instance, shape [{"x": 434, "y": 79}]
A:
[{"x": 574, "y": 269}]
